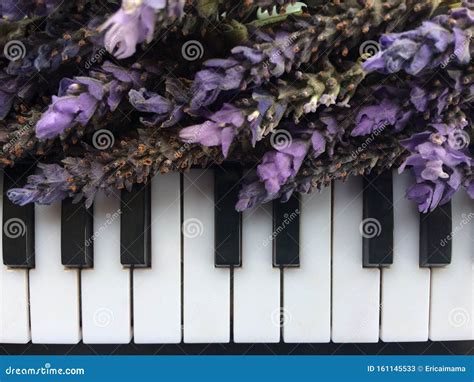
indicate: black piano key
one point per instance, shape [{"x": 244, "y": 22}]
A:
[
  {"x": 135, "y": 234},
  {"x": 286, "y": 231},
  {"x": 18, "y": 232},
  {"x": 76, "y": 235},
  {"x": 435, "y": 237},
  {"x": 228, "y": 225},
  {"x": 377, "y": 224}
]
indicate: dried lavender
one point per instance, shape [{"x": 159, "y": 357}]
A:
[
  {"x": 439, "y": 158},
  {"x": 14, "y": 10},
  {"x": 31, "y": 57},
  {"x": 135, "y": 22},
  {"x": 260, "y": 114},
  {"x": 81, "y": 98},
  {"x": 18, "y": 139},
  {"x": 287, "y": 94},
  {"x": 434, "y": 113},
  {"x": 132, "y": 160},
  {"x": 334, "y": 29},
  {"x": 444, "y": 41}
]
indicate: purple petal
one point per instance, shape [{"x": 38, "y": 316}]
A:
[
  {"x": 227, "y": 136},
  {"x": 229, "y": 115},
  {"x": 419, "y": 98},
  {"x": 94, "y": 87},
  {"x": 149, "y": 102},
  {"x": 422, "y": 194},
  {"x": 462, "y": 43},
  {"x": 254, "y": 56},
  {"x": 207, "y": 134},
  {"x": 52, "y": 123},
  {"x": 421, "y": 60},
  {"x": 319, "y": 143},
  {"x": 415, "y": 140},
  {"x": 221, "y": 63},
  {"x": 434, "y": 170},
  {"x": 115, "y": 94}
]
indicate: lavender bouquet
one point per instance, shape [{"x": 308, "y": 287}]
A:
[{"x": 103, "y": 95}]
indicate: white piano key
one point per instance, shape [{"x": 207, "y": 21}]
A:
[
  {"x": 14, "y": 310},
  {"x": 307, "y": 289},
  {"x": 355, "y": 290},
  {"x": 405, "y": 286},
  {"x": 157, "y": 290},
  {"x": 106, "y": 287},
  {"x": 451, "y": 309},
  {"x": 206, "y": 288},
  {"x": 54, "y": 290},
  {"x": 257, "y": 283}
]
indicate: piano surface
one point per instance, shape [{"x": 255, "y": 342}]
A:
[{"x": 354, "y": 269}]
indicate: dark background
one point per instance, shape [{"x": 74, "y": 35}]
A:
[{"x": 402, "y": 348}]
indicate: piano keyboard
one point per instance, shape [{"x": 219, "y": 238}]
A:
[{"x": 172, "y": 262}]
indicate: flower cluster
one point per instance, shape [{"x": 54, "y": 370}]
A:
[
  {"x": 288, "y": 89},
  {"x": 435, "y": 162},
  {"x": 135, "y": 23},
  {"x": 14, "y": 10},
  {"x": 81, "y": 98},
  {"x": 433, "y": 44}
]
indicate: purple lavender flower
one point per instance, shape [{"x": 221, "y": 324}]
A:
[
  {"x": 270, "y": 180},
  {"x": 434, "y": 43},
  {"x": 79, "y": 98},
  {"x": 64, "y": 112},
  {"x": 252, "y": 193},
  {"x": 14, "y": 10},
  {"x": 134, "y": 23},
  {"x": 219, "y": 130},
  {"x": 318, "y": 143},
  {"x": 52, "y": 175},
  {"x": 274, "y": 57},
  {"x": 436, "y": 166},
  {"x": 378, "y": 117},
  {"x": 165, "y": 111},
  {"x": 268, "y": 109},
  {"x": 426, "y": 195},
  {"x": 149, "y": 102},
  {"x": 277, "y": 167},
  {"x": 208, "y": 83}
]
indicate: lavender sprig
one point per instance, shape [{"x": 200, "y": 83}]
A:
[
  {"x": 14, "y": 10},
  {"x": 134, "y": 23},
  {"x": 444, "y": 40},
  {"x": 335, "y": 28},
  {"x": 260, "y": 114},
  {"x": 33, "y": 56},
  {"x": 132, "y": 160},
  {"x": 81, "y": 98},
  {"x": 296, "y": 76},
  {"x": 438, "y": 107}
]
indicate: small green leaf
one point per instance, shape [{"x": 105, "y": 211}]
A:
[{"x": 207, "y": 8}]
